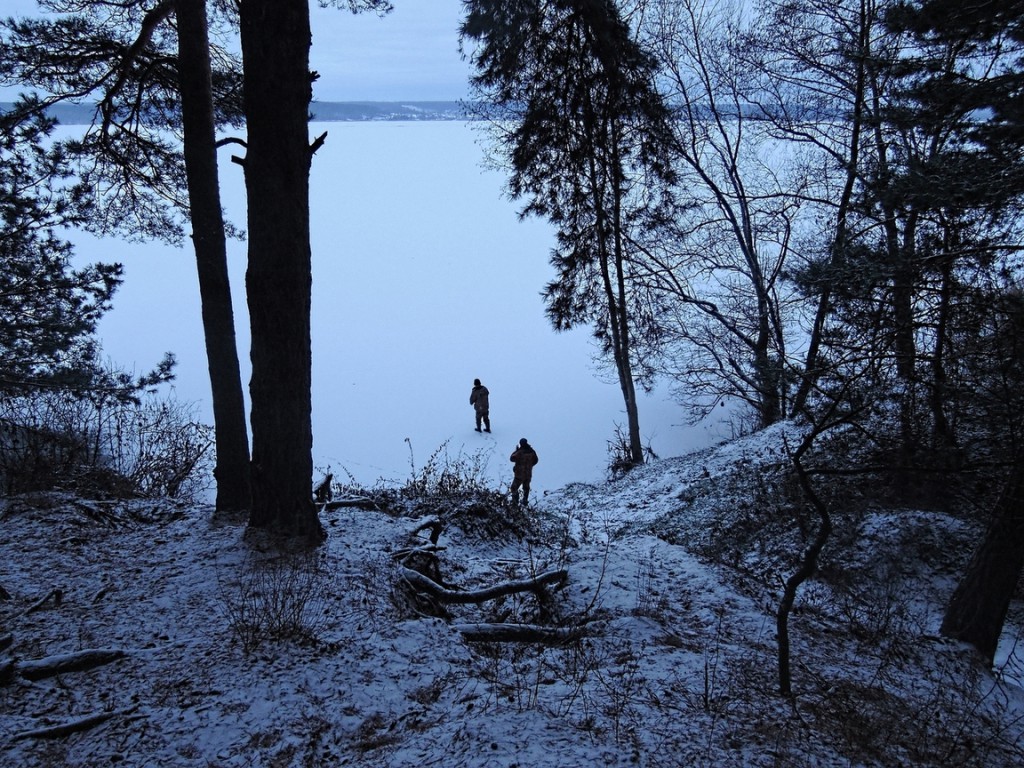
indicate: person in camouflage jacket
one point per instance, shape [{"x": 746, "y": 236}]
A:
[
  {"x": 479, "y": 399},
  {"x": 524, "y": 459}
]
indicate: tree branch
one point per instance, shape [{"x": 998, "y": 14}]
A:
[
  {"x": 69, "y": 662},
  {"x": 74, "y": 726},
  {"x": 149, "y": 24},
  {"x": 422, "y": 583}
]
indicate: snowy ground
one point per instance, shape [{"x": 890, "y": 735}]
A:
[{"x": 677, "y": 666}]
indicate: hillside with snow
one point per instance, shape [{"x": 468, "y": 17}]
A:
[{"x": 144, "y": 633}]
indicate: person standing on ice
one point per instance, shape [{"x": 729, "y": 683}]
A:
[
  {"x": 478, "y": 398},
  {"x": 524, "y": 459}
]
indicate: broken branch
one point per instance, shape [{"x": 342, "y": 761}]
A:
[
  {"x": 517, "y": 633},
  {"x": 421, "y": 582},
  {"x": 65, "y": 729}
]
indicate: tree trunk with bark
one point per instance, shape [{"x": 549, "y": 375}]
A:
[
  {"x": 278, "y": 89},
  {"x": 808, "y": 566},
  {"x": 977, "y": 610},
  {"x": 231, "y": 434}
]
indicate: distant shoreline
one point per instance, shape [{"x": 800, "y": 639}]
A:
[{"x": 321, "y": 111}]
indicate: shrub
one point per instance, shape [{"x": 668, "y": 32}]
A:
[
  {"x": 280, "y": 598},
  {"x": 120, "y": 447}
]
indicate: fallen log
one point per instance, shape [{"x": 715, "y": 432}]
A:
[
  {"x": 536, "y": 584},
  {"x": 66, "y": 729},
  {"x": 79, "y": 661},
  {"x": 57, "y": 595},
  {"x": 359, "y": 502},
  {"x": 517, "y": 633}
]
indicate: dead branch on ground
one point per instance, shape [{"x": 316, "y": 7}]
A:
[
  {"x": 517, "y": 633},
  {"x": 74, "y": 726},
  {"x": 418, "y": 581},
  {"x": 78, "y": 661}
]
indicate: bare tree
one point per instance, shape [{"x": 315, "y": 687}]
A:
[{"x": 717, "y": 269}]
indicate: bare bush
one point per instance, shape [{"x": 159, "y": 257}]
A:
[
  {"x": 161, "y": 448},
  {"x": 444, "y": 474},
  {"x": 620, "y": 454},
  {"x": 279, "y": 598},
  {"x": 121, "y": 447}
]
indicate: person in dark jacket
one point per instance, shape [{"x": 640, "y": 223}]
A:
[
  {"x": 479, "y": 399},
  {"x": 523, "y": 459}
]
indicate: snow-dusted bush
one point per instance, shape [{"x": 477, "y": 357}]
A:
[
  {"x": 444, "y": 474},
  {"x": 276, "y": 598},
  {"x": 107, "y": 446}
]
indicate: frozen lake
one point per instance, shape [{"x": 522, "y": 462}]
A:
[{"x": 423, "y": 279}]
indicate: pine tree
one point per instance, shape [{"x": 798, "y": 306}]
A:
[
  {"x": 586, "y": 129},
  {"x": 48, "y": 310},
  {"x": 278, "y": 90},
  {"x": 982, "y": 172},
  {"x": 128, "y": 162}
]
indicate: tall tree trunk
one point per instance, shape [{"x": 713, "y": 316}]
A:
[
  {"x": 625, "y": 368},
  {"x": 612, "y": 259},
  {"x": 624, "y": 340},
  {"x": 940, "y": 381},
  {"x": 767, "y": 373},
  {"x": 278, "y": 89},
  {"x": 232, "y": 440},
  {"x": 977, "y": 609},
  {"x": 905, "y": 348},
  {"x": 899, "y": 254}
]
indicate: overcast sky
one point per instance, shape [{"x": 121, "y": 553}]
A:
[{"x": 410, "y": 54}]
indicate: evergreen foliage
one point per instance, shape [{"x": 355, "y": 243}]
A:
[
  {"x": 585, "y": 135},
  {"x": 123, "y": 60},
  {"x": 48, "y": 309}
]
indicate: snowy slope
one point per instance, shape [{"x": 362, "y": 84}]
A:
[{"x": 673, "y": 580}]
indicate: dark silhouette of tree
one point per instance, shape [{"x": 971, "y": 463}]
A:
[
  {"x": 125, "y": 59},
  {"x": 915, "y": 196},
  {"x": 276, "y": 39},
  {"x": 199, "y": 126},
  {"x": 153, "y": 78},
  {"x": 810, "y": 62},
  {"x": 977, "y": 609},
  {"x": 585, "y": 134},
  {"x": 967, "y": 62},
  {"x": 278, "y": 90},
  {"x": 48, "y": 310},
  {"x": 959, "y": 82},
  {"x": 718, "y": 267}
]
